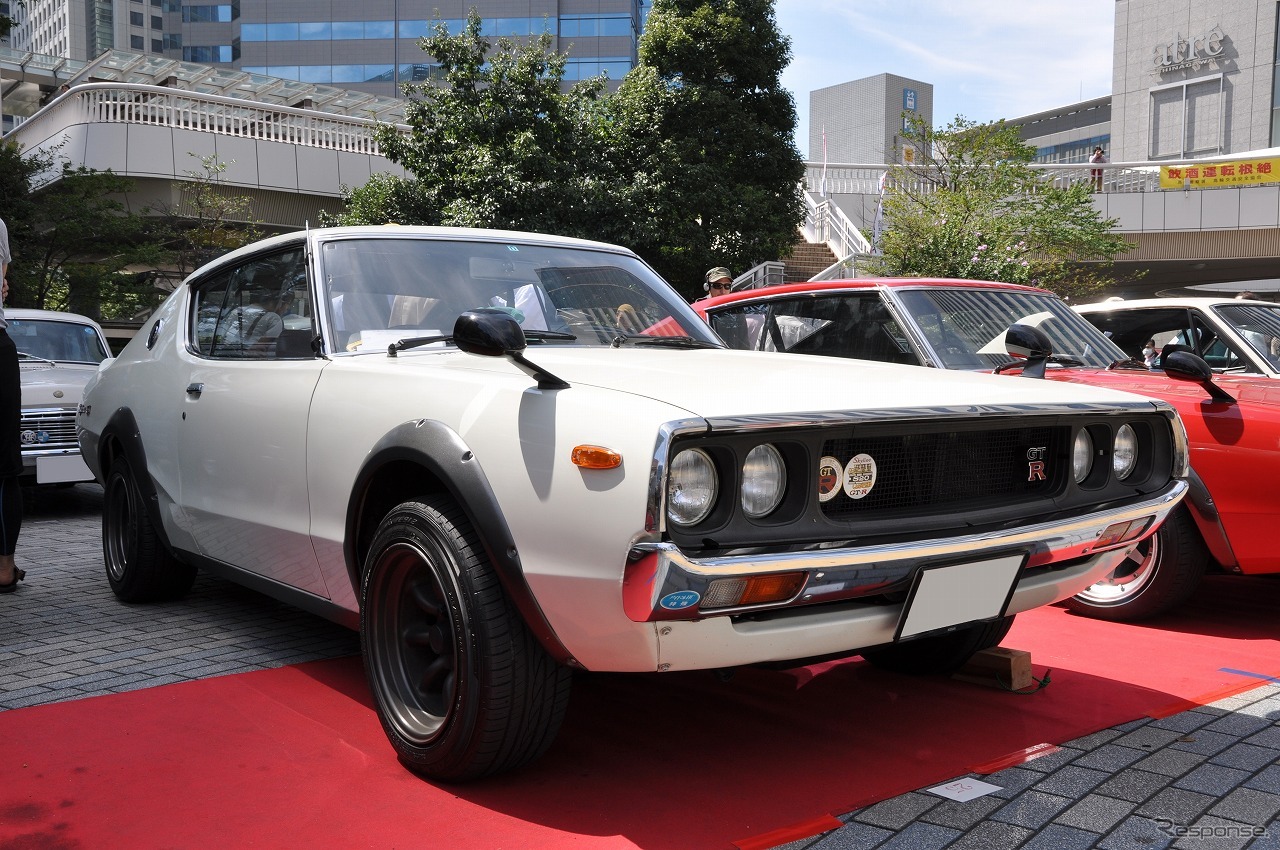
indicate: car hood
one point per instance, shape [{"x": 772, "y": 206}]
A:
[
  {"x": 721, "y": 382},
  {"x": 45, "y": 385}
]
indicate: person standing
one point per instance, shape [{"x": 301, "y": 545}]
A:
[
  {"x": 10, "y": 428},
  {"x": 1095, "y": 174}
]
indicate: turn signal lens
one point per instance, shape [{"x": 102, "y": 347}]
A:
[
  {"x": 756, "y": 590},
  {"x": 1122, "y": 532},
  {"x": 595, "y": 457}
]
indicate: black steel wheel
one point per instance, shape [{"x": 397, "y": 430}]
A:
[
  {"x": 461, "y": 687},
  {"x": 944, "y": 653},
  {"x": 139, "y": 566},
  {"x": 1160, "y": 574}
]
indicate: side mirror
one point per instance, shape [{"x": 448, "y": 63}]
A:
[
  {"x": 493, "y": 332},
  {"x": 1030, "y": 344},
  {"x": 489, "y": 332},
  {"x": 1187, "y": 366}
]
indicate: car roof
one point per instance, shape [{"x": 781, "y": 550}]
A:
[
  {"x": 27, "y": 314},
  {"x": 393, "y": 230},
  {"x": 860, "y": 283},
  {"x": 1124, "y": 304}
]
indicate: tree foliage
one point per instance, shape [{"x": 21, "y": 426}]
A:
[
  {"x": 969, "y": 205},
  {"x": 209, "y": 220},
  {"x": 690, "y": 162},
  {"x": 74, "y": 241}
]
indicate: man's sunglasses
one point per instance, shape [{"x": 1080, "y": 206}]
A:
[{"x": 719, "y": 286}]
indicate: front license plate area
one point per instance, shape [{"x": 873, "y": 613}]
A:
[
  {"x": 57, "y": 469},
  {"x": 945, "y": 596}
]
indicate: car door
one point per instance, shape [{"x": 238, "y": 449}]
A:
[{"x": 243, "y": 480}]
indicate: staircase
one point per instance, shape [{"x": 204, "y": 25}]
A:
[{"x": 806, "y": 260}]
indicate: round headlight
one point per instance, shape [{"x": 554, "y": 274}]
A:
[
  {"x": 1082, "y": 456},
  {"x": 1124, "y": 454},
  {"x": 691, "y": 487},
  {"x": 764, "y": 480}
]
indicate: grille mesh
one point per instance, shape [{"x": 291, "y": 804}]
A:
[
  {"x": 921, "y": 473},
  {"x": 50, "y": 429}
]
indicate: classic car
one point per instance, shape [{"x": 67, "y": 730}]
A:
[
  {"x": 1235, "y": 337},
  {"x": 1233, "y": 422},
  {"x": 452, "y": 441},
  {"x": 57, "y": 355}
]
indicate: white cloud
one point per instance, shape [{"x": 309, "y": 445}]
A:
[{"x": 986, "y": 60}]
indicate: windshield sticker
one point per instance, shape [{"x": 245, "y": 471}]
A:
[
  {"x": 859, "y": 476},
  {"x": 828, "y": 478}
]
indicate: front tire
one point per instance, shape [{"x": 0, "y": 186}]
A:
[
  {"x": 139, "y": 566},
  {"x": 1160, "y": 574},
  {"x": 461, "y": 687},
  {"x": 940, "y": 654}
]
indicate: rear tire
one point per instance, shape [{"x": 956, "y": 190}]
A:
[
  {"x": 944, "y": 653},
  {"x": 139, "y": 566},
  {"x": 461, "y": 687},
  {"x": 1160, "y": 574}
]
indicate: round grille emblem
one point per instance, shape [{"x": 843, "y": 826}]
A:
[
  {"x": 859, "y": 476},
  {"x": 830, "y": 471},
  {"x": 28, "y": 438}
]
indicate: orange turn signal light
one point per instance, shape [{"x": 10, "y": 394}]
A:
[
  {"x": 1122, "y": 532},
  {"x": 595, "y": 457},
  {"x": 753, "y": 590}
]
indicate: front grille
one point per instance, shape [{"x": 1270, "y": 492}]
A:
[
  {"x": 47, "y": 429},
  {"x": 925, "y": 472}
]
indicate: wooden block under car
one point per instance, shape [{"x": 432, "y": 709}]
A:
[{"x": 999, "y": 668}]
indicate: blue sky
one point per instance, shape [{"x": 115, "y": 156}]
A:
[{"x": 986, "y": 59}]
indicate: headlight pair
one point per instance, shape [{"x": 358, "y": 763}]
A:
[
  {"x": 1124, "y": 453},
  {"x": 693, "y": 485}
]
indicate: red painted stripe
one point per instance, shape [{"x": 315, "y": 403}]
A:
[
  {"x": 787, "y": 834},
  {"x": 1019, "y": 757}
]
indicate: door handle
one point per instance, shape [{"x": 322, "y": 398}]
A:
[{"x": 195, "y": 389}]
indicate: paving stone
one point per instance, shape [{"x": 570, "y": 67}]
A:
[
  {"x": 853, "y": 836},
  {"x": 1247, "y": 805},
  {"x": 1096, "y": 813},
  {"x": 1134, "y": 785},
  {"x": 1176, "y": 804},
  {"x": 1210, "y": 833},
  {"x": 1031, "y": 809},
  {"x": 1136, "y": 832},
  {"x": 1013, "y": 781},
  {"x": 1184, "y": 721},
  {"x": 1109, "y": 758},
  {"x": 1170, "y": 762},
  {"x": 1056, "y": 837},
  {"x": 1213, "y": 779},
  {"x": 1071, "y": 781},
  {"x": 1148, "y": 738},
  {"x": 992, "y": 835},
  {"x": 1053, "y": 761},
  {"x": 1266, "y": 780},
  {"x": 1246, "y": 757},
  {"x": 962, "y": 815},
  {"x": 897, "y": 812},
  {"x": 1204, "y": 742},
  {"x": 921, "y": 836},
  {"x": 1240, "y": 725}
]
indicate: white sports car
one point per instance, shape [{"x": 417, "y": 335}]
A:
[{"x": 505, "y": 456}]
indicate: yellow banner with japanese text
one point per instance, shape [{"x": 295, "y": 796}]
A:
[{"x": 1241, "y": 173}]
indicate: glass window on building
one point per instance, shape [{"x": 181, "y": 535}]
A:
[
  {"x": 281, "y": 32},
  {"x": 157, "y": 22},
  {"x": 137, "y": 42},
  {"x": 136, "y": 19},
  {"x": 343, "y": 30},
  {"x": 315, "y": 31},
  {"x": 157, "y": 45}
]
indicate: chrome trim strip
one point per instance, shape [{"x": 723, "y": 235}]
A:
[{"x": 657, "y": 569}]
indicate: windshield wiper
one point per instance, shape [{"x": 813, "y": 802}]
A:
[
  {"x": 25, "y": 356},
  {"x": 666, "y": 341},
  {"x": 539, "y": 336},
  {"x": 1129, "y": 363}
]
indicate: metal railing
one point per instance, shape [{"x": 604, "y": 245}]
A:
[
  {"x": 1117, "y": 177},
  {"x": 131, "y": 103},
  {"x": 768, "y": 273}
]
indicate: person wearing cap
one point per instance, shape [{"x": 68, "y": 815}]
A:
[{"x": 717, "y": 282}]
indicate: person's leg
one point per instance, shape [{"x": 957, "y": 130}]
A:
[
  {"x": 10, "y": 525},
  {"x": 10, "y": 460}
]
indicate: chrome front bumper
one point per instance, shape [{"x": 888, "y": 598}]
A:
[{"x": 658, "y": 572}]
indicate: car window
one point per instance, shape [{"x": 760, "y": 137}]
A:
[
  {"x": 836, "y": 324},
  {"x": 966, "y": 327},
  {"x": 260, "y": 309},
  {"x": 1259, "y": 325},
  {"x": 380, "y": 290},
  {"x": 57, "y": 340},
  {"x": 1170, "y": 326}
]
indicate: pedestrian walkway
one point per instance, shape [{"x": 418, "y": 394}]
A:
[{"x": 1207, "y": 777}]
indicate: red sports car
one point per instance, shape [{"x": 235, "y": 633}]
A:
[{"x": 1233, "y": 422}]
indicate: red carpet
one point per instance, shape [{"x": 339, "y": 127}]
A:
[{"x": 295, "y": 757}]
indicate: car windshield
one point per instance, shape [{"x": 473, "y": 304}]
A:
[
  {"x": 64, "y": 342},
  {"x": 965, "y": 327},
  {"x": 1258, "y": 324},
  {"x": 381, "y": 290}
]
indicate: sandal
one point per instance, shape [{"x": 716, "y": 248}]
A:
[{"x": 18, "y": 575}]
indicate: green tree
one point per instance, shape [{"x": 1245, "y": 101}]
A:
[
  {"x": 968, "y": 205},
  {"x": 706, "y": 130},
  {"x": 75, "y": 244},
  {"x": 209, "y": 220},
  {"x": 495, "y": 144}
]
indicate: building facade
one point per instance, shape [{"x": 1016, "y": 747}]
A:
[
  {"x": 364, "y": 45},
  {"x": 861, "y": 121}
]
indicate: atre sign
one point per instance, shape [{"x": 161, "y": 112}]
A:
[{"x": 1194, "y": 52}]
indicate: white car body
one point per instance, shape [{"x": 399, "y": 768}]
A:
[
  {"x": 57, "y": 355},
  {"x": 261, "y": 470}
]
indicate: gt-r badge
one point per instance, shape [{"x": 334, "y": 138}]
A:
[
  {"x": 859, "y": 476},
  {"x": 1035, "y": 463},
  {"x": 829, "y": 469}
]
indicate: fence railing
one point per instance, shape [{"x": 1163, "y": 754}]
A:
[
  {"x": 131, "y": 103},
  {"x": 1117, "y": 177}
]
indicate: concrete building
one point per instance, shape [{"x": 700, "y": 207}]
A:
[
  {"x": 862, "y": 120},
  {"x": 364, "y": 45}
]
